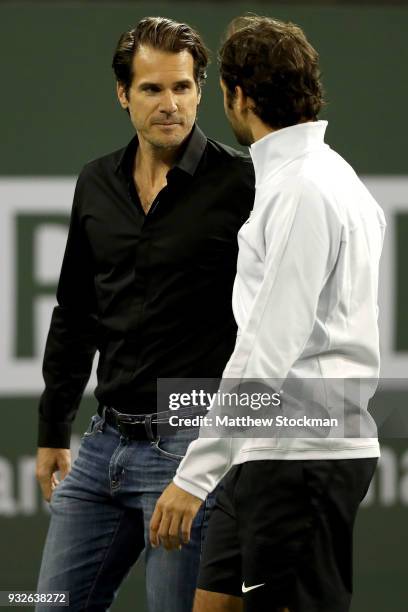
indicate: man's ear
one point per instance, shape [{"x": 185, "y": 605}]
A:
[
  {"x": 122, "y": 95},
  {"x": 241, "y": 100},
  {"x": 245, "y": 103}
]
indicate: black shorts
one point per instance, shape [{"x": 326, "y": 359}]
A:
[{"x": 281, "y": 534}]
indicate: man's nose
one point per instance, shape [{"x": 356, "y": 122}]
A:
[{"x": 168, "y": 102}]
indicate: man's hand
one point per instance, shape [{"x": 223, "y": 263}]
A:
[
  {"x": 50, "y": 461},
  {"x": 173, "y": 516}
]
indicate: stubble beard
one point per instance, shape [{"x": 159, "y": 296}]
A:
[
  {"x": 243, "y": 136},
  {"x": 241, "y": 132},
  {"x": 171, "y": 142}
]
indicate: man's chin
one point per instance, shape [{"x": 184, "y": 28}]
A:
[{"x": 168, "y": 141}]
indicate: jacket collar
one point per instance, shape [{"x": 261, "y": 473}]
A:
[{"x": 273, "y": 151}]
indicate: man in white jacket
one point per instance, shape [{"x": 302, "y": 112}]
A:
[{"x": 305, "y": 301}]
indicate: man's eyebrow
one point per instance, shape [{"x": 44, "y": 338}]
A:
[
  {"x": 184, "y": 82},
  {"x": 148, "y": 84}
]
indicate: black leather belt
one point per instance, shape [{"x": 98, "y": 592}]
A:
[{"x": 141, "y": 426}]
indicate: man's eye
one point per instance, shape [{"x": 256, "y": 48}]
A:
[{"x": 182, "y": 87}]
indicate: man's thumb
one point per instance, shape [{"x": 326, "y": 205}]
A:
[{"x": 64, "y": 466}]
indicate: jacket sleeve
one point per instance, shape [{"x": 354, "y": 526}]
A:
[
  {"x": 301, "y": 243},
  {"x": 71, "y": 341},
  {"x": 302, "y": 239}
]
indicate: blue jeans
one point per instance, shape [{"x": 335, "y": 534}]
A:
[{"x": 99, "y": 526}]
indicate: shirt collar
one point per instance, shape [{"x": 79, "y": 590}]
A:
[
  {"x": 278, "y": 148},
  {"x": 188, "y": 161}
]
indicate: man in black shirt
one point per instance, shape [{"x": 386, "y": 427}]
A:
[{"x": 146, "y": 280}]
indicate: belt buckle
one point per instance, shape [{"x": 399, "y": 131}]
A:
[{"x": 124, "y": 420}]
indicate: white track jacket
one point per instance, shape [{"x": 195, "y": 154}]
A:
[{"x": 305, "y": 293}]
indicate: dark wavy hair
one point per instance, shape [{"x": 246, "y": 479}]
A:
[
  {"x": 276, "y": 66},
  {"x": 165, "y": 35}
]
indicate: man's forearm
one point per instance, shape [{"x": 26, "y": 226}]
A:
[{"x": 69, "y": 353}]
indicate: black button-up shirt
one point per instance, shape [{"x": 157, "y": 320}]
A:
[{"x": 152, "y": 292}]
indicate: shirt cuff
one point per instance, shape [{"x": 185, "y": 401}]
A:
[
  {"x": 54, "y": 435},
  {"x": 190, "y": 487}
]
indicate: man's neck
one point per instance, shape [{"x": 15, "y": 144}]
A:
[
  {"x": 259, "y": 130},
  {"x": 154, "y": 162}
]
